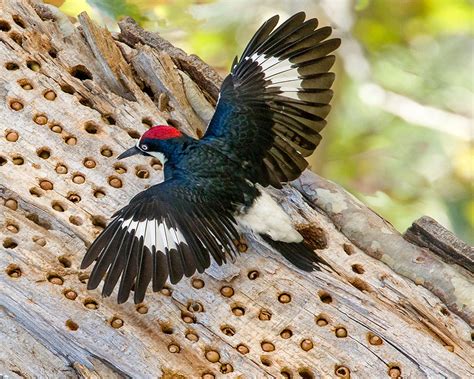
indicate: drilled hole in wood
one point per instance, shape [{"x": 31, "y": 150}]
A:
[
  {"x": 284, "y": 298},
  {"x": 11, "y": 66},
  {"x": 197, "y": 283},
  {"x": 341, "y": 332},
  {"x": 66, "y": 88},
  {"x": 267, "y": 346},
  {"x": 286, "y": 373},
  {"x": 76, "y": 220},
  {"x": 73, "y": 197},
  {"x": 394, "y": 371},
  {"x": 78, "y": 178},
  {"x": 265, "y": 315},
  {"x": 45, "y": 185},
  {"x": 56, "y": 128},
  {"x": 174, "y": 348},
  {"x": 18, "y": 160},
  {"x": 305, "y": 373},
  {"x": 89, "y": 163},
  {"x": 13, "y": 271},
  {"x": 106, "y": 151},
  {"x": 40, "y": 241},
  {"x": 16, "y": 105},
  {"x": 25, "y": 84},
  {"x": 9, "y": 243},
  {"x": 91, "y": 127},
  {"x": 115, "y": 182},
  {"x": 342, "y": 372},
  {"x": 445, "y": 311},
  {"x": 147, "y": 122},
  {"x": 40, "y": 119},
  {"x": 156, "y": 164},
  {"x": 83, "y": 277},
  {"x": 49, "y": 95},
  {"x": 86, "y": 102},
  {"x": 12, "y": 204},
  {"x": 109, "y": 119},
  {"x": 188, "y": 318},
  {"x": 360, "y": 284},
  {"x": 70, "y": 140},
  {"x": 173, "y": 122},
  {"x": 358, "y": 268},
  {"x": 53, "y": 53},
  {"x": 141, "y": 308},
  {"x": 12, "y": 228},
  {"x": 266, "y": 361},
  {"x": 242, "y": 349},
  {"x": 166, "y": 291},
  {"x": 238, "y": 310},
  {"x": 134, "y": 134},
  {"x": 348, "y": 249},
  {"x": 374, "y": 339},
  {"x": 120, "y": 168},
  {"x": 306, "y": 344},
  {"x": 207, "y": 375},
  {"x": 449, "y": 348},
  {"x": 91, "y": 304},
  {"x": 227, "y": 291},
  {"x": 19, "y": 21},
  {"x": 226, "y": 368},
  {"x": 11, "y": 136},
  {"x": 228, "y": 330},
  {"x": 191, "y": 335},
  {"x": 99, "y": 193},
  {"x": 55, "y": 279},
  {"x": 17, "y": 38},
  {"x": 322, "y": 320},
  {"x": 61, "y": 169},
  {"x": 58, "y": 207},
  {"x": 35, "y": 192},
  {"x": 212, "y": 356},
  {"x": 325, "y": 297},
  {"x": 43, "y": 153},
  {"x": 4, "y": 26},
  {"x": 71, "y": 325},
  {"x": 116, "y": 322},
  {"x": 64, "y": 261},
  {"x": 252, "y": 275},
  {"x": 80, "y": 72},
  {"x": 142, "y": 173},
  {"x": 3, "y": 161},
  {"x": 195, "y": 306},
  {"x": 33, "y": 66},
  {"x": 99, "y": 221},
  {"x": 70, "y": 294},
  {"x": 286, "y": 333}
]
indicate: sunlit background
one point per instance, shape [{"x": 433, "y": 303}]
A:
[{"x": 400, "y": 133}]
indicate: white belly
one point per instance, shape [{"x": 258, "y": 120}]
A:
[{"x": 265, "y": 216}]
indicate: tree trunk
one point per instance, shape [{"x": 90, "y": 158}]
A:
[{"x": 72, "y": 98}]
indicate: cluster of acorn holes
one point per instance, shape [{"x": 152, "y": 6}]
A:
[
  {"x": 14, "y": 271},
  {"x": 237, "y": 309}
]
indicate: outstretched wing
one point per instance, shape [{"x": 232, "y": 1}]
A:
[
  {"x": 163, "y": 233},
  {"x": 273, "y": 104}
]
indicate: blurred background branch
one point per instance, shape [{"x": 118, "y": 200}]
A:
[{"x": 400, "y": 134}]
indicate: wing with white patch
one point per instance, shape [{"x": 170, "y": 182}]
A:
[
  {"x": 274, "y": 103},
  {"x": 164, "y": 232}
]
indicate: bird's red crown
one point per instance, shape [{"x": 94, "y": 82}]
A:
[{"x": 162, "y": 132}]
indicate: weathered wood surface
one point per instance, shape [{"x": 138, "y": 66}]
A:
[{"x": 59, "y": 184}]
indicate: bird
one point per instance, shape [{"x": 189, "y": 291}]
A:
[{"x": 268, "y": 117}]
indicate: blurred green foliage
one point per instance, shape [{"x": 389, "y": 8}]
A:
[{"x": 421, "y": 49}]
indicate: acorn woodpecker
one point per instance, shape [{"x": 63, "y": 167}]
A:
[{"x": 270, "y": 111}]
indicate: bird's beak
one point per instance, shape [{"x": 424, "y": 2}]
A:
[{"x": 128, "y": 153}]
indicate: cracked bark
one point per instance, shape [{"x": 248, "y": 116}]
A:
[{"x": 50, "y": 326}]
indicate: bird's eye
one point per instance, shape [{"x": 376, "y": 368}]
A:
[{"x": 144, "y": 147}]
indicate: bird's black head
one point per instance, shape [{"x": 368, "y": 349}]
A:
[{"x": 155, "y": 142}]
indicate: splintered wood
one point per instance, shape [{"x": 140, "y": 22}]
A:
[{"x": 72, "y": 98}]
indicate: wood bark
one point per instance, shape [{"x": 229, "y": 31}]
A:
[{"x": 72, "y": 97}]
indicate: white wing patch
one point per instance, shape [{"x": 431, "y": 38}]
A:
[
  {"x": 155, "y": 234},
  {"x": 265, "y": 216}
]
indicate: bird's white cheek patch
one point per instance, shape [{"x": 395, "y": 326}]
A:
[{"x": 265, "y": 216}]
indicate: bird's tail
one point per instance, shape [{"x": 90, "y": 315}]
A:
[{"x": 298, "y": 254}]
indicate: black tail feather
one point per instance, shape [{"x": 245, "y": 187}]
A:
[{"x": 298, "y": 254}]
